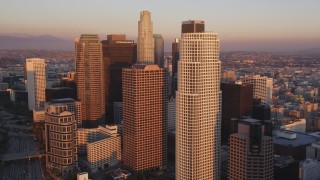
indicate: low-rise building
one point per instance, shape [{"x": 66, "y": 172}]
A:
[
  {"x": 293, "y": 144},
  {"x": 38, "y": 115},
  {"x": 100, "y": 146},
  {"x": 295, "y": 125}
]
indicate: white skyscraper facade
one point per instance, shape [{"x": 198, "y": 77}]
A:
[
  {"x": 36, "y": 82},
  {"x": 145, "y": 39},
  {"x": 198, "y": 107}
]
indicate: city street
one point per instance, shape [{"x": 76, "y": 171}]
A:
[
  {"x": 21, "y": 141},
  {"x": 22, "y": 169}
]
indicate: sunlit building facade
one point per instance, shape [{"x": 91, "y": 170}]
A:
[
  {"x": 36, "y": 82},
  {"x": 145, "y": 39},
  {"x": 61, "y": 139},
  {"x": 90, "y": 79},
  {"x": 198, "y": 104}
]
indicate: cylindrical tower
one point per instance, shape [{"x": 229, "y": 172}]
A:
[{"x": 198, "y": 107}]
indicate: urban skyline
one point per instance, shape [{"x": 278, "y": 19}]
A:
[
  {"x": 123, "y": 109},
  {"x": 246, "y": 25}
]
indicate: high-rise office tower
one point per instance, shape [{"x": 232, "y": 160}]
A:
[
  {"x": 174, "y": 61},
  {"x": 250, "y": 153},
  {"x": 145, "y": 39},
  {"x": 237, "y": 100},
  {"x": 158, "y": 50},
  {"x": 144, "y": 117},
  {"x": 118, "y": 53},
  {"x": 262, "y": 87},
  {"x": 192, "y": 26},
  {"x": 90, "y": 79},
  {"x": 61, "y": 138},
  {"x": 36, "y": 82},
  {"x": 198, "y": 102},
  {"x": 144, "y": 111}
]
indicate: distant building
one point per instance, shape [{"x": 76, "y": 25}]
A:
[
  {"x": 61, "y": 139},
  {"x": 237, "y": 100},
  {"x": 90, "y": 79},
  {"x": 36, "y": 82},
  {"x": 18, "y": 95},
  {"x": 39, "y": 115},
  {"x": 228, "y": 76},
  {"x": 288, "y": 143},
  {"x": 309, "y": 169},
  {"x": 61, "y": 92},
  {"x": 69, "y": 81},
  {"x": 118, "y": 112},
  {"x": 250, "y": 153},
  {"x": 295, "y": 125},
  {"x": 145, "y": 39},
  {"x": 102, "y": 147},
  {"x": 175, "y": 58},
  {"x": 285, "y": 167},
  {"x": 261, "y": 112},
  {"x": 118, "y": 53},
  {"x": 262, "y": 87},
  {"x": 172, "y": 114},
  {"x": 158, "y": 50}
]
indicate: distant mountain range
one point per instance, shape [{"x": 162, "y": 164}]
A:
[
  {"x": 35, "y": 42},
  {"x": 49, "y": 42},
  {"x": 310, "y": 51}
]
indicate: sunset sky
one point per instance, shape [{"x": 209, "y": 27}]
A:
[{"x": 241, "y": 24}]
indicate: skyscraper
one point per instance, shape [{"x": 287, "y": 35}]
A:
[
  {"x": 144, "y": 117},
  {"x": 192, "y": 26},
  {"x": 198, "y": 103},
  {"x": 145, "y": 39},
  {"x": 175, "y": 58},
  {"x": 144, "y": 108},
  {"x": 118, "y": 53},
  {"x": 90, "y": 78},
  {"x": 158, "y": 50},
  {"x": 36, "y": 82},
  {"x": 250, "y": 153},
  {"x": 61, "y": 138},
  {"x": 237, "y": 100}
]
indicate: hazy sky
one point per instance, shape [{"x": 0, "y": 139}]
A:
[{"x": 241, "y": 24}]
